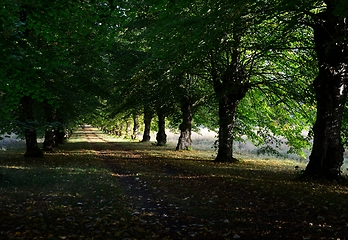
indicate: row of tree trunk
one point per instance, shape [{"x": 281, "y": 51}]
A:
[
  {"x": 53, "y": 135},
  {"x": 326, "y": 159},
  {"x": 331, "y": 45}
]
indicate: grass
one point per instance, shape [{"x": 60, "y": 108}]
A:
[
  {"x": 65, "y": 195},
  {"x": 129, "y": 190}
]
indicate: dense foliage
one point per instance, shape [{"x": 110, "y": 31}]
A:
[{"x": 255, "y": 69}]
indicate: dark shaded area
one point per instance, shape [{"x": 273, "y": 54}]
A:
[
  {"x": 175, "y": 201},
  {"x": 173, "y": 198},
  {"x": 331, "y": 91}
]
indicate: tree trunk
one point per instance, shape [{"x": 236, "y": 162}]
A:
[
  {"x": 161, "y": 136},
  {"x": 147, "y": 128},
  {"x": 185, "y": 141},
  {"x": 230, "y": 87},
  {"x": 135, "y": 126},
  {"x": 49, "y": 141},
  {"x": 330, "y": 86},
  {"x": 227, "y": 116},
  {"x": 60, "y": 134},
  {"x": 120, "y": 129},
  {"x": 32, "y": 148},
  {"x": 128, "y": 129}
]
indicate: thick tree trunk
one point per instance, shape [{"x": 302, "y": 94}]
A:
[
  {"x": 161, "y": 136},
  {"x": 326, "y": 157},
  {"x": 32, "y": 148},
  {"x": 147, "y": 128},
  {"x": 330, "y": 86},
  {"x": 227, "y": 116},
  {"x": 185, "y": 141},
  {"x": 229, "y": 88}
]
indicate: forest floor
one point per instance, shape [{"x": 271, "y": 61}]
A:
[{"x": 99, "y": 187}]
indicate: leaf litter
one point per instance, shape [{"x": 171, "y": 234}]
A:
[{"x": 113, "y": 190}]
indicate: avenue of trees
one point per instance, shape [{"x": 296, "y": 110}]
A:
[{"x": 271, "y": 70}]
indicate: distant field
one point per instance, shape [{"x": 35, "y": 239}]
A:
[
  {"x": 204, "y": 140},
  {"x": 11, "y": 142}
]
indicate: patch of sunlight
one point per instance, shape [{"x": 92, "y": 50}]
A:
[
  {"x": 14, "y": 167},
  {"x": 78, "y": 152},
  {"x": 71, "y": 171},
  {"x": 74, "y": 139},
  {"x": 273, "y": 162},
  {"x": 110, "y": 138},
  {"x": 123, "y": 175}
]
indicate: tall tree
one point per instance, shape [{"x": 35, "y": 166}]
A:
[
  {"x": 235, "y": 45},
  {"x": 331, "y": 45},
  {"x": 161, "y": 135},
  {"x": 148, "y": 115},
  {"x": 42, "y": 45}
]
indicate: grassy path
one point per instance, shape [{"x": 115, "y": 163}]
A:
[{"x": 99, "y": 187}]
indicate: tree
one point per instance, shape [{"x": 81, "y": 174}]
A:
[
  {"x": 161, "y": 135},
  {"x": 330, "y": 38},
  {"x": 148, "y": 115},
  {"x": 235, "y": 46},
  {"x": 43, "y": 47}
]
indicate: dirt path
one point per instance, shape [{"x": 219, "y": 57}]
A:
[{"x": 165, "y": 220}]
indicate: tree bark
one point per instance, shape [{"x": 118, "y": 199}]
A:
[
  {"x": 128, "y": 129},
  {"x": 60, "y": 133},
  {"x": 32, "y": 148},
  {"x": 230, "y": 87},
  {"x": 330, "y": 87},
  {"x": 185, "y": 141},
  {"x": 148, "y": 115},
  {"x": 161, "y": 136},
  {"x": 227, "y": 117},
  {"x": 135, "y": 127},
  {"x": 49, "y": 142},
  {"x": 120, "y": 129}
]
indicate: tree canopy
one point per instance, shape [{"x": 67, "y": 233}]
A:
[{"x": 259, "y": 69}]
